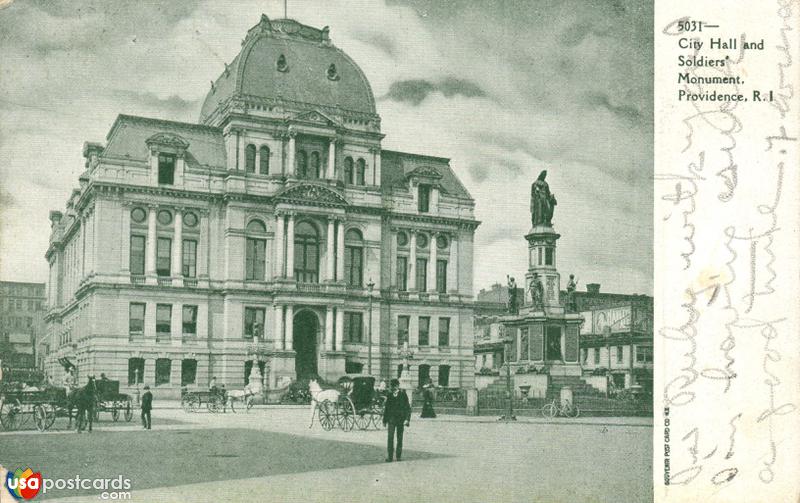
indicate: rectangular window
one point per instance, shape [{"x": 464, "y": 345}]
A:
[
  {"x": 548, "y": 256},
  {"x": 444, "y": 332},
  {"x": 163, "y": 319},
  {"x": 644, "y": 354},
  {"x": 353, "y": 265},
  {"x": 422, "y": 275},
  {"x": 402, "y": 273},
  {"x": 253, "y": 322},
  {"x": 353, "y": 327},
  {"x": 137, "y": 255},
  {"x": 135, "y": 370},
  {"x": 136, "y": 318},
  {"x": 190, "y": 320},
  {"x": 188, "y": 372},
  {"x": 619, "y": 354},
  {"x": 596, "y": 356},
  {"x": 166, "y": 169},
  {"x": 163, "y": 256},
  {"x": 189, "y": 258},
  {"x": 424, "y": 330},
  {"x": 424, "y": 199},
  {"x": 163, "y": 370},
  {"x": 441, "y": 276},
  {"x": 254, "y": 259},
  {"x": 444, "y": 375},
  {"x": 402, "y": 329}
]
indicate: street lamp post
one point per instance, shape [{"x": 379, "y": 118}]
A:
[
  {"x": 370, "y": 286},
  {"x": 509, "y": 415}
]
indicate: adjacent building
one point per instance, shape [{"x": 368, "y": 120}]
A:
[
  {"x": 21, "y": 323},
  {"x": 276, "y": 233}
]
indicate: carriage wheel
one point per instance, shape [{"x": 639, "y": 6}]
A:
[
  {"x": 572, "y": 411},
  {"x": 214, "y": 404},
  {"x": 347, "y": 414},
  {"x": 186, "y": 404},
  {"x": 363, "y": 419},
  {"x": 327, "y": 414},
  {"x": 40, "y": 417},
  {"x": 377, "y": 416},
  {"x": 194, "y": 404},
  {"x": 128, "y": 414},
  {"x": 10, "y": 413}
]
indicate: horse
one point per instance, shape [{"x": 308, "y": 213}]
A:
[
  {"x": 84, "y": 401},
  {"x": 318, "y": 395}
]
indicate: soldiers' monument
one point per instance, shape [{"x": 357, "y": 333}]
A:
[{"x": 544, "y": 333}]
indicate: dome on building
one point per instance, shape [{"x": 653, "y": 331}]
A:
[{"x": 287, "y": 61}]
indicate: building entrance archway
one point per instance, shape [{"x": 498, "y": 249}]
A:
[{"x": 305, "y": 328}]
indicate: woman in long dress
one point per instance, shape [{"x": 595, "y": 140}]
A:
[{"x": 427, "y": 401}]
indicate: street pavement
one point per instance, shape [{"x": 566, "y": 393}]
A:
[{"x": 270, "y": 454}]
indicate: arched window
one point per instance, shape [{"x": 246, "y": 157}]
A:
[
  {"x": 250, "y": 158},
  {"x": 302, "y": 164},
  {"x": 263, "y": 167},
  {"x": 281, "y": 64},
  {"x": 361, "y": 168},
  {"x": 354, "y": 258},
  {"x": 255, "y": 251},
  {"x": 306, "y": 253},
  {"x": 314, "y": 165},
  {"x": 348, "y": 170}
]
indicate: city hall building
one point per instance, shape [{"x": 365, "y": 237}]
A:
[{"x": 269, "y": 234}]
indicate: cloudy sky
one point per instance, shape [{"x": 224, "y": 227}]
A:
[{"x": 504, "y": 89}]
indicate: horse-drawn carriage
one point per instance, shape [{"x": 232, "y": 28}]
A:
[
  {"x": 214, "y": 400},
  {"x": 42, "y": 406},
  {"x": 109, "y": 399},
  {"x": 355, "y": 404}
]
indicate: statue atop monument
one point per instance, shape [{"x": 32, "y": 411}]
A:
[{"x": 542, "y": 201}]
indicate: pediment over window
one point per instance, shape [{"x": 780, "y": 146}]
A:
[
  {"x": 425, "y": 172},
  {"x": 312, "y": 195},
  {"x": 168, "y": 140},
  {"x": 314, "y": 117}
]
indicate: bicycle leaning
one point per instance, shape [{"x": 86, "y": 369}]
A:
[{"x": 564, "y": 409}]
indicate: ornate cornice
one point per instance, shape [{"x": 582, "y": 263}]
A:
[{"x": 311, "y": 195}]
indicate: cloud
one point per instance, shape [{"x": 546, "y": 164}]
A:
[
  {"x": 626, "y": 112},
  {"x": 416, "y": 90}
]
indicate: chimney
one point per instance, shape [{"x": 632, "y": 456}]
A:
[{"x": 593, "y": 287}]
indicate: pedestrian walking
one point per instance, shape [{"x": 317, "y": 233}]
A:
[
  {"x": 396, "y": 415},
  {"x": 427, "y": 401},
  {"x": 147, "y": 406}
]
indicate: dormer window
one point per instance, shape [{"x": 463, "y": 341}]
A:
[
  {"x": 166, "y": 169},
  {"x": 424, "y": 198},
  {"x": 282, "y": 65},
  {"x": 333, "y": 74}
]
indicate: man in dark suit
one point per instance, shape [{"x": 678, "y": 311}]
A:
[
  {"x": 396, "y": 415},
  {"x": 147, "y": 406}
]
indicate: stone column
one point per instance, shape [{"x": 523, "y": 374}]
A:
[
  {"x": 340, "y": 251},
  {"x": 290, "y": 167},
  {"x": 150, "y": 252},
  {"x": 289, "y": 344},
  {"x": 412, "y": 260},
  {"x": 432, "y": 263},
  {"x": 277, "y": 311},
  {"x": 329, "y": 270},
  {"x": 126, "y": 241},
  {"x": 177, "y": 247},
  {"x": 339, "y": 329},
  {"x": 202, "y": 246},
  {"x": 257, "y": 167},
  {"x": 332, "y": 159},
  {"x": 279, "y": 245},
  {"x": 290, "y": 247},
  {"x": 242, "y": 147},
  {"x": 452, "y": 265},
  {"x": 329, "y": 328}
]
